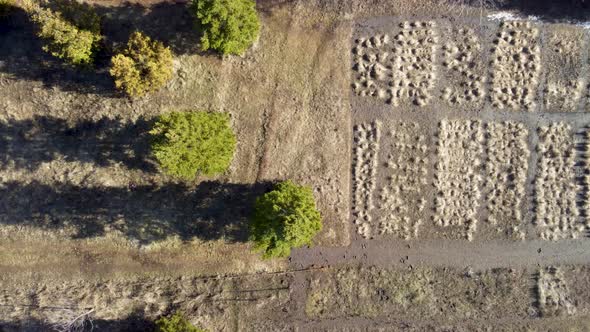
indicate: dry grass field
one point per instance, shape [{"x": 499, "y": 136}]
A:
[{"x": 448, "y": 154}]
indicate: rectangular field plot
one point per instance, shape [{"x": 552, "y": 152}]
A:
[
  {"x": 506, "y": 166},
  {"x": 467, "y": 180},
  {"x": 507, "y": 66},
  {"x": 419, "y": 295},
  {"x": 556, "y": 210},
  {"x": 563, "y": 56},
  {"x": 441, "y": 296},
  {"x": 397, "y": 67},
  {"x": 469, "y": 131},
  {"x": 470, "y": 180},
  {"x": 463, "y": 67},
  {"x": 403, "y": 180},
  {"x": 364, "y": 170},
  {"x": 457, "y": 180},
  {"x": 516, "y": 66},
  {"x": 553, "y": 293}
]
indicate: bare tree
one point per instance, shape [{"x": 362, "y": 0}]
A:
[{"x": 70, "y": 320}]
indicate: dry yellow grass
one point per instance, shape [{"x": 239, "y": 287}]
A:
[{"x": 45, "y": 255}]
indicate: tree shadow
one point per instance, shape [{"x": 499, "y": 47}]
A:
[
  {"x": 266, "y": 7},
  {"x": 132, "y": 323},
  {"x": 22, "y": 57},
  {"x": 172, "y": 24},
  {"x": 549, "y": 10},
  {"x": 31, "y": 142},
  {"x": 212, "y": 210},
  {"x": 21, "y": 54}
]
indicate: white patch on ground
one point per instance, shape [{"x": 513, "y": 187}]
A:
[{"x": 508, "y": 16}]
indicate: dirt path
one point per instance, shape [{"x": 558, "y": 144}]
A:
[{"x": 447, "y": 253}]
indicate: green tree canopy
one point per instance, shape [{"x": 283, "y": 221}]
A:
[
  {"x": 144, "y": 66},
  {"x": 284, "y": 218},
  {"x": 229, "y": 26},
  {"x": 176, "y": 323},
  {"x": 73, "y": 35},
  {"x": 190, "y": 143}
]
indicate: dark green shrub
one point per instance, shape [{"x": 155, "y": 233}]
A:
[
  {"x": 284, "y": 218},
  {"x": 74, "y": 42},
  {"x": 229, "y": 26},
  {"x": 143, "y": 66},
  {"x": 187, "y": 144},
  {"x": 80, "y": 14},
  {"x": 176, "y": 323},
  {"x": 6, "y": 7}
]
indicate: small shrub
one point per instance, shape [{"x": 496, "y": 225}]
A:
[
  {"x": 229, "y": 26},
  {"x": 190, "y": 143},
  {"x": 76, "y": 44},
  {"x": 6, "y": 7},
  {"x": 143, "y": 66},
  {"x": 284, "y": 218},
  {"x": 176, "y": 323}
]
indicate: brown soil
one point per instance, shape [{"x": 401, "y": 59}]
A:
[{"x": 88, "y": 221}]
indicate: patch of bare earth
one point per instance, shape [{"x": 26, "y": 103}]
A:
[{"x": 398, "y": 124}]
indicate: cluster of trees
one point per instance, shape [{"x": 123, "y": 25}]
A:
[
  {"x": 189, "y": 144},
  {"x": 72, "y": 32},
  {"x": 185, "y": 144}
]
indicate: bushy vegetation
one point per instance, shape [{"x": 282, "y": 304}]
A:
[
  {"x": 229, "y": 26},
  {"x": 82, "y": 15},
  {"x": 74, "y": 37},
  {"x": 6, "y": 6},
  {"x": 187, "y": 144},
  {"x": 144, "y": 66},
  {"x": 176, "y": 323},
  {"x": 284, "y": 218}
]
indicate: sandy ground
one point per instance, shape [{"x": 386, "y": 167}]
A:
[
  {"x": 90, "y": 222},
  {"x": 458, "y": 138}
]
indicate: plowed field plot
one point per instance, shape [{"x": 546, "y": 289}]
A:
[
  {"x": 471, "y": 130},
  {"x": 498, "y": 299}
]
